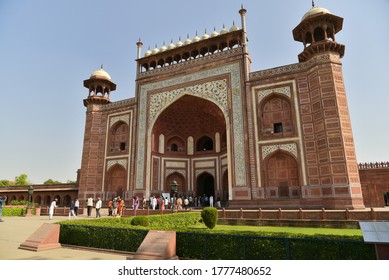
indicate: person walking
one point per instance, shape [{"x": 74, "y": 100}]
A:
[
  {"x": 186, "y": 203},
  {"x": 99, "y": 204},
  {"x": 121, "y": 205},
  {"x": 154, "y": 202},
  {"x": 2, "y": 199},
  {"x": 53, "y": 205},
  {"x": 89, "y": 206},
  {"x": 110, "y": 205},
  {"x": 211, "y": 201},
  {"x": 76, "y": 206},
  {"x": 166, "y": 202},
  {"x": 114, "y": 207},
  {"x": 72, "y": 211}
]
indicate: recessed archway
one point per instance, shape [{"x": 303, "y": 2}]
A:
[
  {"x": 189, "y": 116},
  {"x": 282, "y": 172},
  {"x": 117, "y": 180},
  {"x": 205, "y": 185}
]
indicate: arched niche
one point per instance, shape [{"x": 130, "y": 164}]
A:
[
  {"x": 276, "y": 117},
  {"x": 116, "y": 180},
  {"x": 205, "y": 143},
  {"x": 119, "y": 138},
  {"x": 281, "y": 171},
  {"x": 188, "y": 118},
  {"x": 175, "y": 144},
  {"x": 181, "y": 185},
  {"x": 66, "y": 200}
]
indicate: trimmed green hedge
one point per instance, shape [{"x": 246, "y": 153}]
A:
[
  {"x": 243, "y": 247},
  {"x": 14, "y": 211},
  {"x": 111, "y": 238},
  {"x": 196, "y": 243}
]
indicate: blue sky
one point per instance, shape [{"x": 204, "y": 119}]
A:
[{"x": 47, "y": 49}]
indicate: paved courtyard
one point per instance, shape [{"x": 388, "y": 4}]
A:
[{"x": 15, "y": 230}]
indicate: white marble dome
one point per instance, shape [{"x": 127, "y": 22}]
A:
[
  {"x": 315, "y": 11},
  {"x": 101, "y": 73}
]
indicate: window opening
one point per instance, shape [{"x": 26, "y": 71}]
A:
[
  {"x": 278, "y": 128},
  {"x": 122, "y": 146}
]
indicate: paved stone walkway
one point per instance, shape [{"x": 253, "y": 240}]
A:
[{"x": 15, "y": 230}]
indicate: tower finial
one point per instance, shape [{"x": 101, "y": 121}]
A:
[
  {"x": 313, "y": 4},
  {"x": 101, "y": 66}
]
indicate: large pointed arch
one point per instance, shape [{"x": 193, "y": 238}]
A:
[
  {"x": 187, "y": 117},
  {"x": 116, "y": 180}
]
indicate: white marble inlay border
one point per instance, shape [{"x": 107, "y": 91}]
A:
[
  {"x": 210, "y": 171},
  {"x": 237, "y": 122},
  {"x": 263, "y": 93},
  {"x": 122, "y": 162},
  {"x": 123, "y": 118},
  {"x": 291, "y": 148},
  {"x": 172, "y": 171}
]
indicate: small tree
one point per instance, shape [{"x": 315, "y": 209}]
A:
[
  {"x": 5, "y": 183},
  {"x": 209, "y": 216},
  {"x": 21, "y": 180},
  {"x": 51, "y": 182}
]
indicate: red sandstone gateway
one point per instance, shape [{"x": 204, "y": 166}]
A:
[{"x": 273, "y": 138}]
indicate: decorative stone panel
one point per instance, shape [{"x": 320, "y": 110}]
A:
[
  {"x": 123, "y": 118},
  {"x": 215, "y": 91},
  {"x": 291, "y": 148},
  {"x": 122, "y": 162},
  {"x": 171, "y": 171},
  {"x": 263, "y": 93},
  {"x": 210, "y": 171}
]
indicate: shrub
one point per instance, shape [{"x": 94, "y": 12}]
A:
[
  {"x": 14, "y": 211},
  {"x": 19, "y": 202},
  {"x": 209, "y": 216},
  {"x": 140, "y": 221}
]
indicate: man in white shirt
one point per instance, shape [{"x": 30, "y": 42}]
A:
[
  {"x": 99, "y": 204},
  {"x": 76, "y": 206},
  {"x": 89, "y": 205},
  {"x": 51, "y": 209}
]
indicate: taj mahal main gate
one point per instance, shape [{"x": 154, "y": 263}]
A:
[{"x": 189, "y": 146}]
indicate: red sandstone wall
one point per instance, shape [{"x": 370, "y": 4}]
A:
[{"x": 375, "y": 182}]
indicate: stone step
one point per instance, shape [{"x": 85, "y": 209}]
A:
[{"x": 157, "y": 245}]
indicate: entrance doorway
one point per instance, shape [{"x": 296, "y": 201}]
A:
[{"x": 205, "y": 185}]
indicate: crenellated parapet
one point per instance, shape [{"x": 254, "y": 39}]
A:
[
  {"x": 191, "y": 49},
  {"x": 373, "y": 165}
]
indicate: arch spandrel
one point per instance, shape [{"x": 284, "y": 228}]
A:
[
  {"x": 214, "y": 91},
  {"x": 271, "y": 149}
]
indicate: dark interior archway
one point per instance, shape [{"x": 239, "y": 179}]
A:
[{"x": 205, "y": 185}]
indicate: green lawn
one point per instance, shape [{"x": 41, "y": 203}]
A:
[{"x": 273, "y": 229}]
